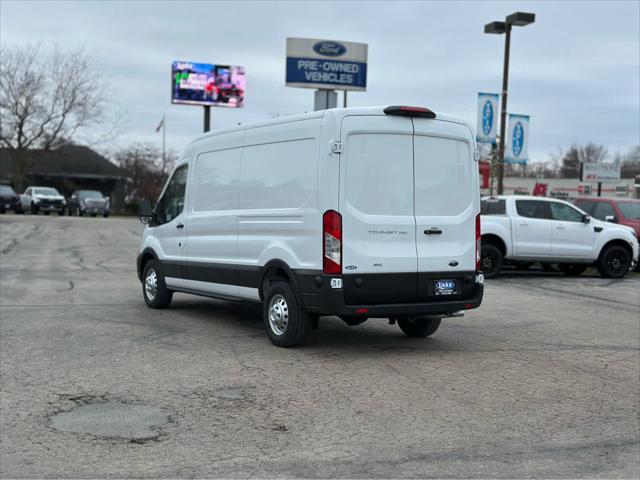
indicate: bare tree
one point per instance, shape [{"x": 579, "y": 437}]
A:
[
  {"x": 589, "y": 153},
  {"x": 46, "y": 96},
  {"x": 147, "y": 170}
]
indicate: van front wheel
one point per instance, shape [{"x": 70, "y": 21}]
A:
[
  {"x": 155, "y": 291},
  {"x": 285, "y": 320},
  {"x": 414, "y": 326}
]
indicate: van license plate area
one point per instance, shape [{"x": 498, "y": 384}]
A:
[{"x": 445, "y": 287}]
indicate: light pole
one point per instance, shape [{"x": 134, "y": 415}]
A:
[{"x": 519, "y": 19}]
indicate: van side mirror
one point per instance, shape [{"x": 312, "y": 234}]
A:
[
  {"x": 611, "y": 219},
  {"x": 145, "y": 212},
  {"x": 586, "y": 218}
]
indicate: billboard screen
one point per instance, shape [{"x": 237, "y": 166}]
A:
[{"x": 207, "y": 84}]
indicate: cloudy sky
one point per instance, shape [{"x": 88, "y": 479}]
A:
[{"x": 576, "y": 71}]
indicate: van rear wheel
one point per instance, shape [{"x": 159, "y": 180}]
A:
[
  {"x": 285, "y": 320},
  {"x": 414, "y": 326}
]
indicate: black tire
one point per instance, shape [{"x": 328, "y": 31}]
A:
[
  {"x": 572, "y": 269},
  {"x": 420, "y": 327},
  {"x": 614, "y": 261},
  {"x": 61, "y": 213},
  {"x": 163, "y": 295},
  {"x": 290, "y": 328},
  {"x": 34, "y": 209},
  {"x": 47, "y": 213},
  {"x": 549, "y": 267},
  {"x": 80, "y": 212},
  {"x": 491, "y": 260},
  {"x": 19, "y": 211},
  {"x": 2, "y": 210},
  {"x": 105, "y": 214}
]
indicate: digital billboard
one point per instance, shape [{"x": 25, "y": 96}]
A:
[{"x": 195, "y": 83}]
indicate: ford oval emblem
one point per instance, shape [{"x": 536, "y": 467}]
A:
[
  {"x": 329, "y": 49},
  {"x": 453, "y": 263},
  {"x": 517, "y": 140},
  {"x": 487, "y": 118}
]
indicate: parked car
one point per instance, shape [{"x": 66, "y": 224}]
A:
[
  {"x": 381, "y": 223},
  {"x": 46, "y": 200},
  {"x": 89, "y": 202},
  {"x": 9, "y": 200},
  {"x": 625, "y": 211},
  {"x": 536, "y": 229}
]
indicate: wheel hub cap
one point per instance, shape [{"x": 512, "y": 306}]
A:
[
  {"x": 278, "y": 314},
  {"x": 151, "y": 284}
]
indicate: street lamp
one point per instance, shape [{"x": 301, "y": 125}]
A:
[{"x": 519, "y": 19}]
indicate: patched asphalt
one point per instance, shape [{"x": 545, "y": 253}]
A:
[{"x": 542, "y": 381}]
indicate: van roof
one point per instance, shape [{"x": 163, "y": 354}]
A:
[{"x": 338, "y": 114}]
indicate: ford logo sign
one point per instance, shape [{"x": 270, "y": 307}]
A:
[
  {"x": 517, "y": 140},
  {"x": 487, "y": 118},
  {"x": 453, "y": 263},
  {"x": 330, "y": 49}
]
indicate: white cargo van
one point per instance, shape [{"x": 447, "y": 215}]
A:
[{"x": 357, "y": 212}]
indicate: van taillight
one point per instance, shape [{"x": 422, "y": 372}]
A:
[
  {"x": 332, "y": 243},
  {"x": 478, "y": 235}
]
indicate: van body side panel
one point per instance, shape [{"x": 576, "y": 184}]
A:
[
  {"x": 278, "y": 216},
  {"x": 210, "y": 254}
]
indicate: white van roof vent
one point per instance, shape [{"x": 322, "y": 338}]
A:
[{"x": 405, "y": 111}]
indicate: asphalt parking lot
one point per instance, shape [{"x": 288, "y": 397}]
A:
[{"x": 542, "y": 381}]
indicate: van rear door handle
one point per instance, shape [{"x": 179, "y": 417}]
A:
[
  {"x": 433, "y": 231},
  {"x": 180, "y": 226}
]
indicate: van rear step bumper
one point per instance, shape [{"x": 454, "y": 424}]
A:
[{"x": 319, "y": 297}]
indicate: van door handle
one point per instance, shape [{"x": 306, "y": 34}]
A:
[
  {"x": 524, "y": 224},
  {"x": 560, "y": 227},
  {"x": 433, "y": 231},
  {"x": 180, "y": 226}
]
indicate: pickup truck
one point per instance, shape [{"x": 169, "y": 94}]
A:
[{"x": 519, "y": 228}]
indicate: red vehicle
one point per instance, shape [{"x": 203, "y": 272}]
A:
[{"x": 625, "y": 211}]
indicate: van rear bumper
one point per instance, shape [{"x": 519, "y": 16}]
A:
[{"x": 320, "y": 297}]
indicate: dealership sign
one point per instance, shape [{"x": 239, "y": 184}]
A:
[
  {"x": 517, "y": 145},
  {"x": 487, "y": 126},
  {"x": 600, "y": 172},
  {"x": 207, "y": 84},
  {"x": 326, "y": 64}
]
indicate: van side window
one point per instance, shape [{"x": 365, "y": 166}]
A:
[
  {"x": 533, "y": 209},
  {"x": 172, "y": 202},
  {"x": 565, "y": 213}
]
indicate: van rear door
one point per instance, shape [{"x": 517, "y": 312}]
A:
[
  {"x": 376, "y": 203},
  {"x": 447, "y": 200}
]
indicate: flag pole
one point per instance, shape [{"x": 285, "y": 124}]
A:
[{"x": 164, "y": 139}]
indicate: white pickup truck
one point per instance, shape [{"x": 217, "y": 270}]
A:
[{"x": 523, "y": 229}]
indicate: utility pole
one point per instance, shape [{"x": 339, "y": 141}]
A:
[{"x": 519, "y": 19}]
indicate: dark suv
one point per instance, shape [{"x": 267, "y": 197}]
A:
[
  {"x": 9, "y": 200},
  {"x": 90, "y": 202}
]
